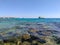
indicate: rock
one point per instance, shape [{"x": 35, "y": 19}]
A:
[
  {"x": 26, "y": 36},
  {"x": 26, "y": 43},
  {"x": 34, "y": 42}
]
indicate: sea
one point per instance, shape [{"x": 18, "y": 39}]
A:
[{"x": 11, "y": 26}]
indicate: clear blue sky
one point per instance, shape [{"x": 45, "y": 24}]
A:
[{"x": 30, "y": 8}]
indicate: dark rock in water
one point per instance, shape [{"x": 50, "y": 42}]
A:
[
  {"x": 41, "y": 41},
  {"x": 35, "y": 44},
  {"x": 38, "y": 39},
  {"x": 40, "y": 33},
  {"x": 33, "y": 38},
  {"x": 26, "y": 37},
  {"x": 57, "y": 39},
  {"x": 8, "y": 40},
  {"x": 29, "y": 40},
  {"x": 52, "y": 31}
]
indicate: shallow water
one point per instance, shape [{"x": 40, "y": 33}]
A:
[{"x": 22, "y": 25}]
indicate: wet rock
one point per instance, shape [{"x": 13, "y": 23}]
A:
[
  {"x": 26, "y": 43},
  {"x": 57, "y": 39},
  {"x": 38, "y": 39},
  {"x": 34, "y": 42},
  {"x": 26, "y": 36}
]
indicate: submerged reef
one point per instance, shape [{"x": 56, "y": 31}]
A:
[
  {"x": 32, "y": 38},
  {"x": 19, "y": 31}
]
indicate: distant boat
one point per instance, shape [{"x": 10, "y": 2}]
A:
[{"x": 40, "y": 18}]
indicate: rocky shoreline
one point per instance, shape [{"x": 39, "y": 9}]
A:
[{"x": 18, "y": 32}]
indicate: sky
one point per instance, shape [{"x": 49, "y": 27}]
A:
[{"x": 30, "y": 8}]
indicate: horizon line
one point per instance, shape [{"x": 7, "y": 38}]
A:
[{"x": 26, "y": 17}]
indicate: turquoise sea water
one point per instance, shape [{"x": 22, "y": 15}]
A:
[
  {"x": 33, "y": 19},
  {"x": 10, "y": 22},
  {"x": 39, "y": 20}
]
